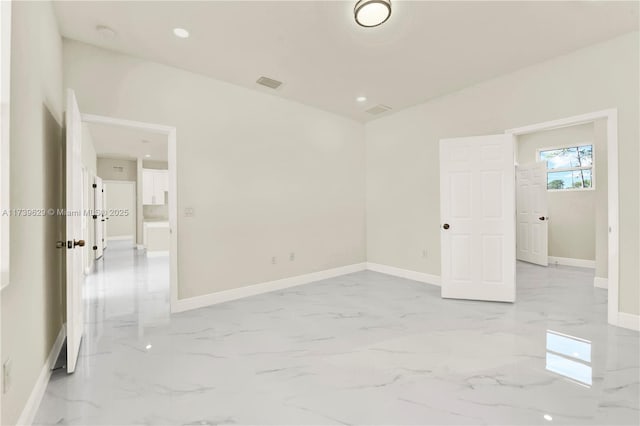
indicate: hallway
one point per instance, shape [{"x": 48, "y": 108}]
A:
[{"x": 346, "y": 351}]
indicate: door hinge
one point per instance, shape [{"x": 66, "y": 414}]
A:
[
  {"x": 95, "y": 185},
  {"x": 95, "y": 216},
  {"x": 95, "y": 247}
]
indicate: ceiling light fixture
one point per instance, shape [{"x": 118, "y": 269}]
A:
[
  {"x": 361, "y": 98},
  {"x": 147, "y": 156},
  {"x": 548, "y": 417},
  {"x": 181, "y": 32},
  {"x": 371, "y": 13}
]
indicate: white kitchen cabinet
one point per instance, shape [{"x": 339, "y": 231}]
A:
[{"x": 155, "y": 183}]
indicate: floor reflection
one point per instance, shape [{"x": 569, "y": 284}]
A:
[{"x": 570, "y": 357}]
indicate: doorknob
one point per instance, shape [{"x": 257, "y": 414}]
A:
[
  {"x": 445, "y": 226},
  {"x": 543, "y": 218},
  {"x": 78, "y": 243}
]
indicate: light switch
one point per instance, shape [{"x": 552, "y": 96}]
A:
[{"x": 188, "y": 212}]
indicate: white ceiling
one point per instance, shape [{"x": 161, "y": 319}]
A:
[
  {"x": 426, "y": 49},
  {"x": 123, "y": 142}
]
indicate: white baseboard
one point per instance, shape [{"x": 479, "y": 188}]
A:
[
  {"x": 159, "y": 253},
  {"x": 567, "y": 261},
  {"x": 600, "y": 282},
  {"x": 37, "y": 393},
  {"x": 120, "y": 237},
  {"x": 404, "y": 273},
  {"x": 629, "y": 321},
  {"x": 182, "y": 305}
]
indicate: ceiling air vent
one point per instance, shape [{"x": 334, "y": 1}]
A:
[
  {"x": 378, "y": 109},
  {"x": 269, "y": 82}
]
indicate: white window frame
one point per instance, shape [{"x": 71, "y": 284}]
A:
[{"x": 570, "y": 169}]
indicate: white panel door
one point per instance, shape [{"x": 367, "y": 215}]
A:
[
  {"x": 75, "y": 254},
  {"x": 532, "y": 213},
  {"x": 99, "y": 220},
  {"x": 477, "y": 209}
]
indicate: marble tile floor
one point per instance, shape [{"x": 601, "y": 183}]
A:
[{"x": 364, "y": 348}]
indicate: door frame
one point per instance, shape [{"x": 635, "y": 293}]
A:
[
  {"x": 106, "y": 182},
  {"x": 170, "y": 132},
  {"x": 611, "y": 117}
]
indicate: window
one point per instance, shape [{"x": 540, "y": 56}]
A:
[{"x": 569, "y": 168}]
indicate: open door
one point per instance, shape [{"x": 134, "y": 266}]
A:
[
  {"x": 477, "y": 209},
  {"x": 532, "y": 213},
  {"x": 75, "y": 254},
  {"x": 99, "y": 218}
]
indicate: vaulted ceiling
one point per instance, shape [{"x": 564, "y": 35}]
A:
[{"x": 425, "y": 50}]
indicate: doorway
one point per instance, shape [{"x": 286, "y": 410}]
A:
[
  {"x": 578, "y": 175},
  {"x": 477, "y": 202},
  {"x": 82, "y": 171},
  {"x": 135, "y": 170},
  {"x": 561, "y": 184}
]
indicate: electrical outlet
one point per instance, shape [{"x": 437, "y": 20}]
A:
[
  {"x": 274, "y": 260},
  {"x": 292, "y": 256},
  {"x": 189, "y": 212},
  {"x": 6, "y": 376}
]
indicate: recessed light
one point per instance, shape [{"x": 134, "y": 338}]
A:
[
  {"x": 147, "y": 156},
  {"x": 547, "y": 417},
  {"x": 181, "y": 32},
  {"x": 371, "y": 13},
  {"x": 148, "y": 347},
  {"x": 361, "y": 98}
]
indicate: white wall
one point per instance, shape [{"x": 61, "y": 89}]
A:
[
  {"x": 33, "y": 304},
  {"x": 117, "y": 169},
  {"x": 152, "y": 164},
  {"x": 402, "y": 149},
  {"x": 120, "y": 196},
  {"x": 265, "y": 176},
  {"x": 573, "y": 214},
  {"x": 89, "y": 156}
]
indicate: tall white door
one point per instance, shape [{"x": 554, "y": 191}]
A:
[
  {"x": 532, "y": 213},
  {"x": 75, "y": 246},
  {"x": 477, "y": 209},
  {"x": 99, "y": 218}
]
